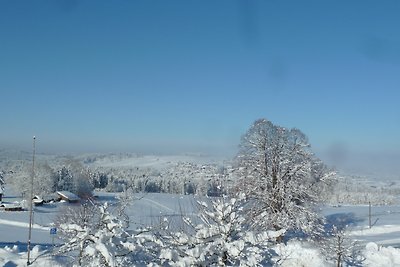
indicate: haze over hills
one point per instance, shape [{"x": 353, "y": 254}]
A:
[{"x": 368, "y": 166}]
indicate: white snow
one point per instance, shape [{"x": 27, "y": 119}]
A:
[
  {"x": 23, "y": 224},
  {"x": 378, "y": 256},
  {"x": 376, "y": 230},
  {"x": 297, "y": 254},
  {"x": 380, "y": 243},
  {"x": 38, "y": 258}
]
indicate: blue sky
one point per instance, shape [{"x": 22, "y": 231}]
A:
[{"x": 188, "y": 76}]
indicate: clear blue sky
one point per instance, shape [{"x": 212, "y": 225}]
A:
[{"x": 184, "y": 76}]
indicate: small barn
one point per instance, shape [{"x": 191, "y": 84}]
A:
[
  {"x": 68, "y": 196},
  {"x": 11, "y": 207},
  {"x": 37, "y": 201},
  {"x": 49, "y": 198}
]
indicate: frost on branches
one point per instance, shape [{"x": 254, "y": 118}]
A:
[
  {"x": 100, "y": 241},
  {"x": 222, "y": 238},
  {"x": 280, "y": 173},
  {"x": 339, "y": 247}
]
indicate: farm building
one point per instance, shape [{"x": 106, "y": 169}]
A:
[
  {"x": 49, "y": 198},
  {"x": 37, "y": 201},
  {"x": 11, "y": 207},
  {"x": 68, "y": 196}
]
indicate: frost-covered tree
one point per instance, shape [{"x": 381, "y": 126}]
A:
[
  {"x": 43, "y": 181},
  {"x": 64, "y": 179},
  {"x": 82, "y": 215},
  {"x": 74, "y": 177},
  {"x": 279, "y": 172},
  {"x": 99, "y": 238},
  {"x": 81, "y": 179},
  {"x": 221, "y": 238},
  {"x": 177, "y": 178},
  {"x": 99, "y": 180},
  {"x": 341, "y": 248}
]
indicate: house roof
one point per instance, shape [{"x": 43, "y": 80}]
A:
[
  {"x": 50, "y": 197},
  {"x": 68, "y": 195}
]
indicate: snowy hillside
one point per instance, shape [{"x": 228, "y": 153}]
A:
[{"x": 198, "y": 169}]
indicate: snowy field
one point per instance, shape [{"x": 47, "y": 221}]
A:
[
  {"x": 385, "y": 222},
  {"x": 146, "y": 209},
  {"x": 151, "y": 208}
]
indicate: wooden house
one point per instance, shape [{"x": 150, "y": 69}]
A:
[
  {"x": 68, "y": 196},
  {"x": 37, "y": 201}
]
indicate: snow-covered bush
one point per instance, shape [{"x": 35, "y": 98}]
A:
[
  {"x": 221, "y": 238},
  {"x": 378, "y": 256},
  {"x": 102, "y": 241},
  {"x": 298, "y": 254}
]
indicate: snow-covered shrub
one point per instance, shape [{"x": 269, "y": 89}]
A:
[
  {"x": 222, "y": 238},
  {"x": 102, "y": 241},
  {"x": 378, "y": 256},
  {"x": 298, "y": 254}
]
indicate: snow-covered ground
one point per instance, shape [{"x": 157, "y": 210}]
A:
[
  {"x": 150, "y": 208},
  {"x": 381, "y": 243},
  {"x": 385, "y": 221}
]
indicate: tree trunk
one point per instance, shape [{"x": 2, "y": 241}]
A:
[{"x": 279, "y": 239}]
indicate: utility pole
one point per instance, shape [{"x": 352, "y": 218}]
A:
[
  {"x": 369, "y": 214},
  {"x": 31, "y": 201}
]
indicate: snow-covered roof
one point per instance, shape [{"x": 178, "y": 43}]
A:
[
  {"x": 68, "y": 195},
  {"x": 37, "y": 199},
  {"x": 50, "y": 197}
]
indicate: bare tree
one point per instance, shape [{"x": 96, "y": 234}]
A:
[
  {"x": 340, "y": 248},
  {"x": 278, "y": 170}
]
